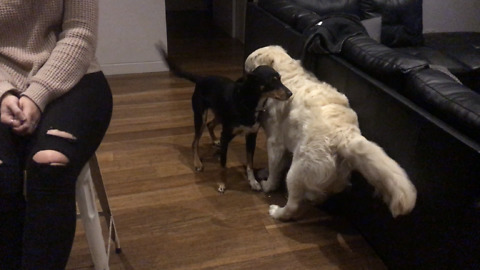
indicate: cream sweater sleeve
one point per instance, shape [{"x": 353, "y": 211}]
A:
[{"x": 71, "y": 56}]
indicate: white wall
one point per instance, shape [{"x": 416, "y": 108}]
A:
[
  {"x": 451, "y": 15},
  {"x": 128, "y": 32}
]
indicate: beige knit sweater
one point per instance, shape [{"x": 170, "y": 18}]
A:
[{"x": 46, "y": 46}]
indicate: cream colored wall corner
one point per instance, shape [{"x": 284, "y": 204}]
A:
[{"x": 128, "y": 32}]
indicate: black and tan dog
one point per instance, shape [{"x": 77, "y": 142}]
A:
[{"x": 236, "y": 105}]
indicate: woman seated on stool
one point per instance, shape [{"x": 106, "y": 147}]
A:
[{"x": 56, "y": 106}]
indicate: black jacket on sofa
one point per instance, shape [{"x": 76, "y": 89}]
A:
[{"x": 417, "y": 96}]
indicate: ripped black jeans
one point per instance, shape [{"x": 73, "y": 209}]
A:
[{"x": 37, "y": 220}]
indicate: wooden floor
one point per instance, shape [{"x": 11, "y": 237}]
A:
[{"x": 170, "y": 217}]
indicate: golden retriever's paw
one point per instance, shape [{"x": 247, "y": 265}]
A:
[
  {"x": 403, "y": 203},
  {"x": 280, "y": 213},
  {"x": 275, "y": 211},
  {"x": 255, "y": 185}
]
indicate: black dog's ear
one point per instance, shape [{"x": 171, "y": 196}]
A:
[
  {"x": 252, "y": 76},
  {"x": 242, "y": 79},
  {"x": 256, "y": 80}
]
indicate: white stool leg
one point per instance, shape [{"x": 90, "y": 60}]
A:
[
  {"x": 104, "y": 204},
  {"x": 90, "y": 219}
]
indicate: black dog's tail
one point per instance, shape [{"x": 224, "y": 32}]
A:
[{"x": 175, "y": 69}]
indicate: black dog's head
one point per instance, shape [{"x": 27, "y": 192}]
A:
[{"x": 267, "y": 81}]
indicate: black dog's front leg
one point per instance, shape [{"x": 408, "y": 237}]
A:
[
  {"x": 251, "y": 142},
  {"x": 225, "y": 139}
]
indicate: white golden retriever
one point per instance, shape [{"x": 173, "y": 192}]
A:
[{"x": 317, "y": 128}]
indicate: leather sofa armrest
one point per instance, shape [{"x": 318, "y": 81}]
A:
[
  {"x": 440, "y": 94},
  {"x": 380, "y": 61}
]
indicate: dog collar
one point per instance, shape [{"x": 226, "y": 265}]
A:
[{"x": 262, "y": 109}]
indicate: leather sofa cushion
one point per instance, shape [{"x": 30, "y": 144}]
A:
[
  {"x": 302, "y": 14},
  {"x": 290, "y": 13},
  {"x": 380, "y": 61},
  {"x": 321, "y": 7},
  {"x": 327, "y": 7},
  {"x": 329, "y": 34},
  {"x": 443, "y": 96},
  {"x": 458, "y": 51},
  {"x": 435, "y": 57},
  {"x": 401, "y": 19}
]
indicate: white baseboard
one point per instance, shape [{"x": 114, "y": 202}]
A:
[{"x": 130, "y": 68}]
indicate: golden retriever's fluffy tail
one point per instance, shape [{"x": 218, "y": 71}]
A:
[{"x": 382, "y": 172}]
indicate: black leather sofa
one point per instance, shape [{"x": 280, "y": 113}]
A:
[{"x": 417, "y": 96}]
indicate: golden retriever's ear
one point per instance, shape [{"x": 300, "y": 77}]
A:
[{"x": 250, "y": 64}]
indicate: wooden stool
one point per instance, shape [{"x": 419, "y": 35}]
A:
[{"x": 89, "y": 181}]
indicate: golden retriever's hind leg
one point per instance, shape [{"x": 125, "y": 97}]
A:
[
  {"x": 291, "y": 209},
  {"x": 278, "y": 160},
  {"x": 296, "y": 195}
]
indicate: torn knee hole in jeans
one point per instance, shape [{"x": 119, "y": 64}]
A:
[
  {"x": 1, "y": 162},
  {"x": 51, "y": 157},
  {"x": 54, "y": 157},
  {"x": 61, "y": 134}
]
